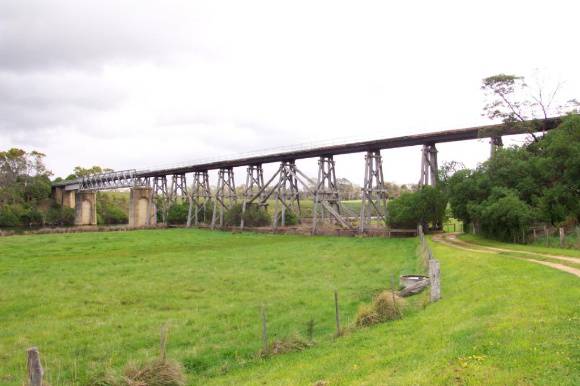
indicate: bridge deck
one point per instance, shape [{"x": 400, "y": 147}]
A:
[{"x": 357, "y": 147}]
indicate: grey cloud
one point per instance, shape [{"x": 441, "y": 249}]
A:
[
  {"x": 64, "y": 34},
  {"x": 33, "y": 101}
]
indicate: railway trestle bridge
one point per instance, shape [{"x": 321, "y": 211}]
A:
[{"x": 155, "y": 190}]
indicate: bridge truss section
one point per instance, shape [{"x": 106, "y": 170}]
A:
[{"x": 112, "y": 180}]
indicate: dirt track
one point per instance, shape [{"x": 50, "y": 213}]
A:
[{"x": 450, "y": 239}]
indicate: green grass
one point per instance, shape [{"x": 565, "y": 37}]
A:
[
  {"x": 94, "y": 300},
  {"x": 535, "y": 248},
  {"x": 492, "y": 327}
]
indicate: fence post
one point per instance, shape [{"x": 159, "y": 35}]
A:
[
  {"x": 35, "y": 371},
  {"x": 562, "y": 237},
  {"x": 546, "y": 235},
  {"x": 336, "y": 310},
  {"x": 265, "y": 347},
  {"x": 163, "y": 342},
  {"x": 435, "y": 280}
]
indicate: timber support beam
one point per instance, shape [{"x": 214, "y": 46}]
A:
[
  {"x": 496, "y": 143},
  {"x": 199, "y": 199},
  {"x": 429, "y": 166},
  {"x": 374, "y": 195},
  {"x": 225, "y": 196}
]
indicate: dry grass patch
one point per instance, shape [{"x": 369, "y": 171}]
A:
[
  {"x": 286, "y": 345},
  {"x": 385, "y": 306},
  {"x": 158, "y": 372}
]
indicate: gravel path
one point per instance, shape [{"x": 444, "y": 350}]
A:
[{"x": 450, "y": 239}]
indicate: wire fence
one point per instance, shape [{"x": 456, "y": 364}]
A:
[{"x": 432, "y": 264}]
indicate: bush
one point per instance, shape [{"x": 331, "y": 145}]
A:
[
  {"x": 421, "y": 207},
  {"x": 9, "y": 217},
  {"x": 504, "y": 216},
  {"x": 205, "y": 213},
  {"x": 59, "y": 216},
  {"x": 110, "y": 215},
  {"x": 177, "y": 213},
  {"x": 253, "y": 217},
  {"x": 290, "y": 218},
  {"x": 31, "y": 217}
]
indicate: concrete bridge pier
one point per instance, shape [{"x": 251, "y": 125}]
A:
[
  {"x": 85, "y": 208},
  {"x": 65, "y": 198},
  {"x": 141, "y": 207}
]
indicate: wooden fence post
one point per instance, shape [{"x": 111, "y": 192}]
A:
[
  {"x": 35, "y": 371},
  {"x": 547, "y": 235},
  {"x": 435, "y": 280},
  {"x": 163, "y": 342},
  {"x": 265, "y": 346},
  {"x": 337, "y": 312},
  {"x": 562, "y": 237}
]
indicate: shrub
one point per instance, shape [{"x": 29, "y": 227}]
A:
[
  {"x": 421, "y": 207},
  {"x": 112, "y": 215},
  {"x": 205, "y": 213},
  {"x": 8, "y": 217},
  {"x": 177, "y": 213},
  {"x": 253, "y": 217},
  {"x": 290, "y": 218},
  {"x": 31, "y": 217},
  {"x": 504, "y": 216}
]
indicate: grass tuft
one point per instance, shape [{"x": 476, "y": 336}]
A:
[
  {"x": 158, "y": 372},
  {"x": 290, "y": 344},
  {"x": 385, "y": 307}
]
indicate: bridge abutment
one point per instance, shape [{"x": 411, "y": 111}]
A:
[
  {"x": 141, "y": 207},
  {"x": 85, "y": 208}
]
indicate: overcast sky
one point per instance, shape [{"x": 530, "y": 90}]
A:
[{"x": 138, "y": 84}]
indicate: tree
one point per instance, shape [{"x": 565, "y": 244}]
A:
[
  {"x": 24, "y": 188},
  {"x": 505, "y": 216},
  {"x": 511, "y": 99},
  {"x": 541, "y": 180},
  {"x": 80, "y": 171},
  {"x": 425, "y": 206}
]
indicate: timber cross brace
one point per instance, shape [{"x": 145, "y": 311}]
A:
[
  {"x": 373, "y": 193},
  {"x": 200, "y": 198},
  {"x": 150, "y": 190},
  {"x": 225, "y": 195}
]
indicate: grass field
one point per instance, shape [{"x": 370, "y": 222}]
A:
[{"x": 97, "y": 300}]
